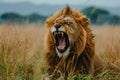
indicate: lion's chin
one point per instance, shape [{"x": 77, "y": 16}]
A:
[
  {"x": 61, "y": 41},
  {"x": 65, "y": 54}
]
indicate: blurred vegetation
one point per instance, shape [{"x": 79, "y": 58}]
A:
[
  {"x": 96, "y": 15},
  {"x": 17, "y": 18},
  {"x": 99, "y": 16}
]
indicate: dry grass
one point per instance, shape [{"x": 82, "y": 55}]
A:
[
  {"x": 22, "y": 50},
  {"x": 107, "y": 40}
]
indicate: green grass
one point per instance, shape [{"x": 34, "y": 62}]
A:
[{"x": 11, "y": 68}]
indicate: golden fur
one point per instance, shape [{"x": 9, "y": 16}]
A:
[{"x": 81, "y": 58}]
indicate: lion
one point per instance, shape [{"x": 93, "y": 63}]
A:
[{"x": 70, "y": 46}]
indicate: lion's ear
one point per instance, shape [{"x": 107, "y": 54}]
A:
[
  {"x": 83, "y": 21},
  {"x": 51, "y": 19},
  {"x": 67, "y": 11},
  {"x": 48, "y": 22},
  {"x": 80, "y": 18}
]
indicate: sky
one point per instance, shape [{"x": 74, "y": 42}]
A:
[{"x": 75, "y": 2}]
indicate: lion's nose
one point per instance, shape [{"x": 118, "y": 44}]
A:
[{"x": 57, "y": 26}]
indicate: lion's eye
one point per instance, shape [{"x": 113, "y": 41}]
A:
[{"x": 68, "y": 23}]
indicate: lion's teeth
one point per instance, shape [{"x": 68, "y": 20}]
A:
[
  {"x": 54, "y": 33},
  {"x": 62, "y": 34}
]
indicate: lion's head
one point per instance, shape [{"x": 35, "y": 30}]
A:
[
  {"x": 70, "y": 45},
  {"x": 67, "y": 31}
]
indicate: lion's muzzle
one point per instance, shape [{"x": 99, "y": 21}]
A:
[{"x": 61, "y": 41}]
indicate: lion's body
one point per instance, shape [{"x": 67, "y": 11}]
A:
[
  {"x": 81, "y": 57},
  {"x": 73, "y": 60}
]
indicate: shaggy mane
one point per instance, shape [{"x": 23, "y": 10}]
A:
[{"x": 80, "y": 58}]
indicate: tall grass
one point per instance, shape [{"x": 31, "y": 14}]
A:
[
  {"x": 22, "y": 50},
  {"x": 107, "y": 40},
  {"x": 107, "y": 46}
]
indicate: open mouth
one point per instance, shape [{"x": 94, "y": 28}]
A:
[{"x": 62, "y": 41}]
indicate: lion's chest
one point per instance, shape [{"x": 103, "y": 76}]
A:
[{"x": 74, "y": 65}]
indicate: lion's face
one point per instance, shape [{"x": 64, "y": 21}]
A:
[{"x": 65, "y": 31}]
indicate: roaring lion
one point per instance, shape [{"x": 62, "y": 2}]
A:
[{"x": 70, "y": 47}]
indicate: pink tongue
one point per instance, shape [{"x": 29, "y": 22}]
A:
[{"x": 61, "y": 43}]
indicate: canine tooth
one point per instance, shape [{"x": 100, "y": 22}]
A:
[
  {"x": 62, "y": 34},
  {"x": 54, "y": 33}
]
